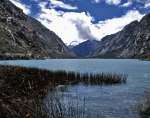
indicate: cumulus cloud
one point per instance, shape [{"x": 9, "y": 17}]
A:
[
  {"x": 144, "y": 4},
  {"x": 147, "y": 5},
  {"x": 68, "y": 25},
  {"x": 53, "y": 20},
  {"x": 114, "y": 25},
  {"x": 25, "y": 8},
  {"x": 127, "y": 4},
  {"x": 55, "y": 3},
  {"x": 77, "y": 26},
  {"x": 109, "y": 2},
  {"x": 142, "y": 1},
  {"x": 113, "y": 2},
  {"x": 84, "y": 31}
]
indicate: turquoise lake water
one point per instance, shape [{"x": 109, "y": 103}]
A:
[{"x": 114, "y": 101}]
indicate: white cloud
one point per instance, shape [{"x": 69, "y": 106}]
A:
[
  {"x": 110, "y": 2},
  {"x": 95, "y": 1},
  {"x": 74, "y": 26},
  {"x": 147, "y": 5},
  {"x": 25, "y": 8},
  {"x": 114, "y": 25},
  {"x": 127, "y": 4},
  {"x": 113, "y": 2},
  {"x": 55, "y": 3},
  {"x": 142, "y": 1},
  {"x": 84, "y": 31},
  {"x": 144, "y": 4},
  {"x": 66, "y": 24}
]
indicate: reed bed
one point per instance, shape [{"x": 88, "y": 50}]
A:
[
  {"x": 23, "y": 89},
  {"x": 65, "y": 107}
]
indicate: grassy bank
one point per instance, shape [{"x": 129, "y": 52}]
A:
[{"x": 23, "y": 89}]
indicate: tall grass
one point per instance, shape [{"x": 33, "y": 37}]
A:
[
  {"x": 67, "y": 107},
  {"x": 23, "y": 90}
]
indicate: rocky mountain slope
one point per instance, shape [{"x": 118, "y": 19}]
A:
[
  {"x": 138, "y": 45},
  {"x": 23, "y": 37},
  {"x": 83, "y": 49},
  {"x": 131, "y": 42},
  {"x": 111, "y": 46}
]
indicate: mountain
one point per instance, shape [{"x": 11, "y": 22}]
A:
[
  {"x": 83, "y": 49},
  {"x": 138, "y": 45},
  {"x": 23, "y": 37},
  {"x": 131, "y": 42},
  {"x": 111, "y": 46},
  {"x": 72, "y": 44}
]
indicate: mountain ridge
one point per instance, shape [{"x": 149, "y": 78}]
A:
[
  {"x": 23, "y": 37},
  {"x": 111, "y": 46},
  {"x": 135, "y": 45},
  {"x": 83, "y": 49},
  {"x": 139, "y": 42}
]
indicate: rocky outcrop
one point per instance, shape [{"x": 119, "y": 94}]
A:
[
  {"x": 111, "y": 46},
  {"x": 138, "y": 45},
  {"x": 23, "y": 37},
  {"x": 83, "y": 49}
]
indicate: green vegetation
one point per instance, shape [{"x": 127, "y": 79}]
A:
[{"x": 23, "y": 90}]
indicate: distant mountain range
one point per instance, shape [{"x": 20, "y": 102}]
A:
[
  {"x": 131, "y": 42},
  {"x": 73, "y": 44},
  {"x": 23, "y": 37},
  {"x": 83, "y": 49}
]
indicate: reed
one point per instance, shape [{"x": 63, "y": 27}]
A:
[
  {"x": 66, "y": 107},
  {"x": 23, "y": 89}
]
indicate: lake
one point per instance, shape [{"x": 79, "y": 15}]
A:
[{"x": 113, "y": 101}]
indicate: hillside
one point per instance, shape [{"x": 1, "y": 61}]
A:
[
  {"x": 138, "y": 45},
  {"x": 23, "y": 37},
  {"x": 131, "y": 42},
  {"x": 111, "y": 46}
]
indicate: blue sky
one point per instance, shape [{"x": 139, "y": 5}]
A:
[{"x": 80, "y": 20}]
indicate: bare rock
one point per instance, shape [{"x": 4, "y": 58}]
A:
[{"x": 23, "y": 35}]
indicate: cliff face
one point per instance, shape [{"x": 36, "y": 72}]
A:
[
  {"x": 138, "y": 45},
  {"x": 23, "y": 37},
  {"x": 83, "y": 49},
  {"x": 111, "y": 46}
]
